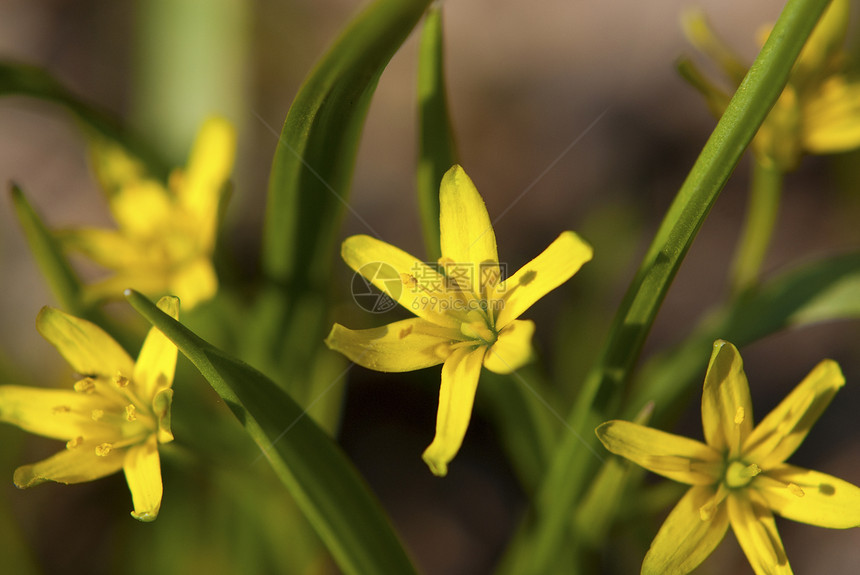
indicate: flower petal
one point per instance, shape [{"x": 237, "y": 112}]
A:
[
  {"x": 404, "y": 345},
  {"x": 513, "y": 348},
  {"x": 460, "y": 375},
  {"x": 831, "y": 117},
  {"x": 679, "y": 458},
  {"x": 156, "y": 363},
  {"x": 56, "y": 413},
  {"x": 726, "y": 405},
  {"x": 194, "y": 282},
  {"x": 755, "y": 530},
  {"x": 685, "y": 539},
  {"x": 784, "y": 429},
  {"x": 72, "y": 465},
  {"x": 143, "y": 473},
  {"x": 208, "y": 169},
  {"x": 142, "y": 208},
  {"x": 554, "y": 266},
  {"x": 821, "y": 500},
  {"x": 466, "y": 233},
  {"x": 87, "y": 348},
  {"x": 108, "y": 248},
  {"x": 410, "y": 282}
]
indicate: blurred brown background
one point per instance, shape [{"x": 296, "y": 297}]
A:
[{"x": 526, "y": 80}]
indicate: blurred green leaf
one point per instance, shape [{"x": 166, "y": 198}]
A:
[
  {"x": 52, "y": 262},
  {"x": 26, "y": 80},
  {"x": 436, "y": 145},
  {"x": 317, "y": 474}
]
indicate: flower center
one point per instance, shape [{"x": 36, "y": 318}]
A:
[{"x": 739, "y": 474}]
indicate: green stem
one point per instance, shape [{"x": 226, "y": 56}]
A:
[
  {"x": 600, "y": 395},
  {"x": 765, "y": 193}
]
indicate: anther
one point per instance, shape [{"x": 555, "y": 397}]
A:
[
  {"x": 795, "y": 489},
  {"x": 120, "y": 380},
  {"x": 72, "y": 443},
  {"x": 739, "y": 415},
  {"x": 130, "y": 412},
  {"x": 103, "y": 449},
  {"x": 61, "y": 409},
  {"x": 85, "y": 385},
  {"x": 97, "y": 414},
  {"x": 405, "y": 331}
]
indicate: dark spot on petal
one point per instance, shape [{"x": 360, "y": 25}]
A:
[
  {"x": 528, "y": 277},
  {"x": 826, "y": 489}
]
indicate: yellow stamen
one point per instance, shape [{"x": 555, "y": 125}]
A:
[
  {"x": 130, "y": 412},
  {"x": 739, "y": 475},
  {"x": 85, "y": 385},
  {"x": 61, "y": 409},
  {"x": 739, "y": 415},
  {"x": 795, "y": 489},
  {"x": 120, "y": 380},
  {"x": 406, "y": 331},
  {"x": 72, "y": 443},
  {"x": 97, "y": 414},
  {"x": 103, "y": 449}
]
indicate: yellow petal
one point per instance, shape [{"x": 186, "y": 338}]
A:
[
  {"x": 784, "y": 429},
  {"x": 113, "y": 166},
  {"x": 108, "y": 248},
  {"x": 143, "y": 473},
  {"x": 411, "y": 283},
  {"x": 141, "y": 209},
  {"x": 513, "y": 348},
  {"x": 55, "y": 413},
  {"x": 810, "y": 497},
  {"x": 554, "y": 266},
  {"x": 825, "y": 41},
  {"x": 74, "y": 465},
  {"x": 466, "y": 233},
  {"x": 194, "y": 282},
  {"x": 755, "y": 530},
  {"x": 685, "y": 539},
  {"x": 669, "y": 455},
  {"x": 161, "y": 408},
  {"x": 404, "y": 345},
  {"x": 831, "y": 117},
  {"x": 87, "y": 348},
  {"x": 156, "y": 363},
  {"x": 726, "y": 405},
  {"x": 209, "y": 168},
  {"x": 699, "y": 33},
  {"x": 460, "y": 375}
]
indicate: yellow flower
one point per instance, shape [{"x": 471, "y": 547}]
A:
[
  {"x": 467, "y": 315},
  {"x": 166, "y": 236},
  {"x": 739, "y": 476},
  {"x": 114, "y": 418},
  {"x": 819, "y": 110}
]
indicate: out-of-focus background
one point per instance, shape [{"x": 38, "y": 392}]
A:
[{"x": 569, "y": 115}]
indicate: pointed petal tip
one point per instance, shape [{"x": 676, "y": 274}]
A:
[
  {"x": 438, "y": 467},
  {"x": 146, "y": 516}
]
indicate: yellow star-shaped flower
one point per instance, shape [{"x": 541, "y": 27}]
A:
[
  {"x": 114, "y": 418},
  {"x": 166, "y": 235},
  {"x": 739, "y": 476},
  {"x": 467, "y": 315},
  {"x": 819, "y": 110}
]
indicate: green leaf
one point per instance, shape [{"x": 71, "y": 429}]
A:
[
  {"x": 436, "y": 146},
  {"x": 25, "y": 80},
  {"x": 53, "y": 264},
  {"x": 314, "y": 160},
  {"x": 317, "y": 474},
  {"x": 572, "y": 464}
]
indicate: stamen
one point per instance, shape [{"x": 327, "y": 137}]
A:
[
  {"x": 408, "y": 280},
  {"x": 739, "y": 415},
  {"x": 72, "y": 443},
  {"x": 795, "y": 489},
  {"x": 120, "y": 380},
  {"x": 130, "y": 412},
  {"x": 103, "y": 449},
  {"x": 405, "y": 331},
  {"x": 97, "y": 414},
  {"x": 61, "y": 409},
  {"x": 85, "y": 385}
]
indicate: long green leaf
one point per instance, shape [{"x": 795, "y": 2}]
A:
[
  {"x": 437, "y": 150},
  {"x": 317, "y": 474},
  {"x": 573, "y": 464},
  {"x": 26, "y": 80}
]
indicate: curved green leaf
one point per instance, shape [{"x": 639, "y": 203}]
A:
[
  {"x": 26, "y": 80},
  {"x": 324, "y": 484},
  {"x": 436, "y": 146}
]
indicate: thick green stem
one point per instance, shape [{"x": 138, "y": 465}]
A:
[
  {"x": 765, "y": 193},
  {"x": 600, "y": 395}
]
